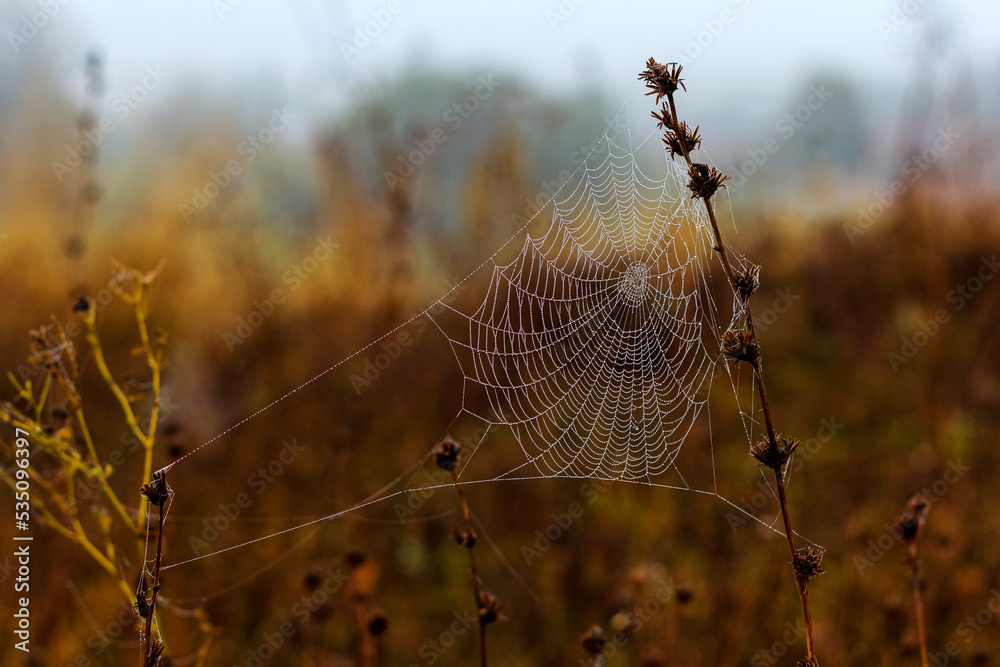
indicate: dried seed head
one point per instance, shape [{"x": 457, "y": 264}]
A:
[
  {"x": 911, "y": 523},
  {"x": 355, "y": 557},
  {"x": 157, "y": 491},
  {"x": 82, "y": 305},
  {"x": 682, "y": 140},
  {"x": 748, "y": 282},
  {"x": 740, "y": 345},
  {"x": 593, "y": 640},
  {"x": 446, "y": 453},
  {"x": 807, "y": 563},
  {"x": 312, "y": 580},
  {"x": 141, "y": 606},
  {"x": 464, "y": 538},
  {"x": 774, "y": 455},
  {"x": 489, "y": 608},
  {"x": 155, "y": 651},
  {"x": 662, "y": 80},
  {"x": 807, "y": 662},
  {"x": 378, "y": 623},
  {"x": 664, "y": 120},
  {"x": 705, "y": 180}
]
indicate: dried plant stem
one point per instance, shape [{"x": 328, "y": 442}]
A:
[
  {"x": 911, "y": 527},
  {"x": 705, "y": 182},
  {"x": 156, "y": 493},
  {"x": 918, "y": 603},
  {"x": 469, "y": 531}
]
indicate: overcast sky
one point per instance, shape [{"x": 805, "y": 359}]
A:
[{"x": 743, "y": 45}]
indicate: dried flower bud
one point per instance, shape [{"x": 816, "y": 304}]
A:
[
  {"x": 155, "y": 651},
  {"x": 681, "y": 140},
  {"x": 593, "y": 640},
  {"x": 911, "y": 523},
  {"x": 378, "y": 623},
  {"x": 446, "y": 453},
  {"x": 157, "y": 491},
  {"x": 705, "y": 180},
  {"x": 489, "y": 608},
  {"x": 355, "y": 557},
  {"x": 807, "y": 563},
  {"x": 662, "y": 80},
  {"x": 312, "y": 580},
  {"x": 464, "y": 538},
  {"x": 748, "y": 282},
  {"x": 774, "y": 455},
  {"x": 740, "y": 345},
  {"x": 807, "y": 662}
]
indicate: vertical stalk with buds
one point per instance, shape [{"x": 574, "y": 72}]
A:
[
  {"x": 156, "y": 493},
  {"x": 446, "y": 455},
  {"x": 738, "y": 343},
  {"x": 911, "y": 529}
]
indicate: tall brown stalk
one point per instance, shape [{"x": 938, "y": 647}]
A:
[
  {"x": 156, "y": 493},
  {"x": 740, "y": 343},
  {"x": 911, "y": 528},
  {"x": 488, "y": 608}
]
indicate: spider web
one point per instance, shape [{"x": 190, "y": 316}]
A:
[
  {"x": 596, "y": 344},
  {"x": 590, "y": 344}
]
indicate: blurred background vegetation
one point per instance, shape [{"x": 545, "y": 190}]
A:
[{"x": 852, "y": 289}]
